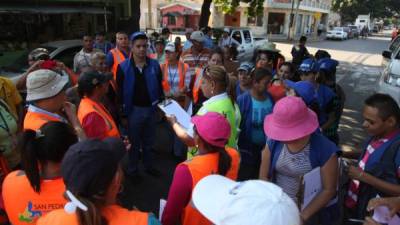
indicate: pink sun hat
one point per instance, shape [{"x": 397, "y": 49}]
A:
[
  {"x": 290, "y": 120},
  {"x": 213, "y": 128}
]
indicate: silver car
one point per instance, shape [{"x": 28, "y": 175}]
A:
[
  {"x": 389, "y": 82},
  {"x": 63, "y": 51}
]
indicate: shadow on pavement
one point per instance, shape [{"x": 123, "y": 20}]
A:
[{"x": 146, "y": 194}]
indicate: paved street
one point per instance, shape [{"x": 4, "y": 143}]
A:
[{"x": 358, "y": 73}]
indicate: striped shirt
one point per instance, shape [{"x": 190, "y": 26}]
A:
[
  {"x": 290, "y": 167},
  {"x": 196, "y": 61}
]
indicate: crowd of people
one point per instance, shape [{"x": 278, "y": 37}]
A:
[{"x": 257, "y": 128}]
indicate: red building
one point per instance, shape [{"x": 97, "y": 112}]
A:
[{"x": 179, "y": 16}]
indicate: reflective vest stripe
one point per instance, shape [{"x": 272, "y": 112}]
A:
[
  {"x": 118, "y": 57},
  {"x": 198, "y": 78}
]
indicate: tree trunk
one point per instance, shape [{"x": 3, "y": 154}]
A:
[
  {"x": 205, "y": 13},
  {"x": 134, "y": 24}
]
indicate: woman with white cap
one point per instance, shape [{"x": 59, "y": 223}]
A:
[
  {"x": 175, "y": 83},
  {"x": 211, "y": 134},
  {"x": 93, "y": 176},
  {"x": 293, "y": 149}
]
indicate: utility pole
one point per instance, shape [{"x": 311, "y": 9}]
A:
[
  {"x": 291, "y": 18},
  {"x": 149, "y": 7},
  {"x": 295, "y": 19}
]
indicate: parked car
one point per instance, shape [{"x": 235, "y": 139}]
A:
[
  {"x": 389, "y": 82},
  {"x": 388, "y": 53},
  {"x": 349, "y": 32},
  {"x": 247, "y": 42},
  {"x": 337, "y": 33},
  {"x": 355, "y": 30},
  {"x": 63, "y": 51}
]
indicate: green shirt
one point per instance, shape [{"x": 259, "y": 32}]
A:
[
  {"x": 8, "y": 131},
  {"x": 222, "y": 104}
]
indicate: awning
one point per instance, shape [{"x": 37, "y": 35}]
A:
[
  {"x": 173, "y": 14},
  {"x": 51, "y": 9}
]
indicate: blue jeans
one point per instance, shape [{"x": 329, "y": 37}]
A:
[{"x": 141, "y": 133}]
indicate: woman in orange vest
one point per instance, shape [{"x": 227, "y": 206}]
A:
[
  {"x": 95, "y": 119},
  {"x": 217, "y": 58},
  {"x": 211, "y": 134},
  {"x": 33, "y": 192},
  {"x": 93, "y": 175},
  {"x": 176, "y": 79}
]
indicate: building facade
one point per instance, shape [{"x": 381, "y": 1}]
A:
[{"x": 275, "y": 20}]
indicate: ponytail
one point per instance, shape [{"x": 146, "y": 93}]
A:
[
  {"x": 49, "y": 143},
  {"x": 92, "y": 216},
  {"x": 220, "y": 76},
  {"x": 28, "y": 147},
  {"x": 224, "y": 161}
]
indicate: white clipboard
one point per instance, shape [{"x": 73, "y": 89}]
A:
[{"x": 171, "y": 107}]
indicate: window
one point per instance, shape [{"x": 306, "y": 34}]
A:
[
  {"x": 276, "y": 23},
  {"x": 247, "y": 36},
  {"x": 171, "y": 20},
  {"x": 237, "y": 36},
  {"x": 255, "y": 21},
  {"x": 67, "y": 56},
  {"x": 395, "y": 44}
]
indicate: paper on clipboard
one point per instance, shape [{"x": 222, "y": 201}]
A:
[
  {"x": 312, "y": 186},
  {"x": 171, "y": 107}
]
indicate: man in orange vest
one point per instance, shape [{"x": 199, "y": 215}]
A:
[
  {"x": 118, "y": 54},
  {"x": 47, "y": 101}
]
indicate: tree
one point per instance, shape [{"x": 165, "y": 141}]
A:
[
  {"x": 350, "y": 9},
  {"x": 256, "y": 7}
]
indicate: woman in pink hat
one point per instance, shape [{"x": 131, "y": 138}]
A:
[
  {"x": 211, "y": 134},
  {"x": 293, "y": 149}
]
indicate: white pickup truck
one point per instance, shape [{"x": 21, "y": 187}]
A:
[{"x": 247, "y": 42}]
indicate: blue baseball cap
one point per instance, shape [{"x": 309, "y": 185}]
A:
[
  {"x": 137, "y": 35},
  {"x": 304, "y": 89},
  {"x": 327, "y": 64},
  {"x": 246, "y": 66},
  {"x": 308, "y": 65}
]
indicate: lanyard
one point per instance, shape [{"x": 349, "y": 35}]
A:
[{"x": 173, "y": 76}]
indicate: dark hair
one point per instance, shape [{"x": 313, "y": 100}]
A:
[
  {"x": 87, "y": 89},
  {"x": 320, "y": 54},
  {"x": 224, "y": 159},
  {"x": 233, "y": 52},
  {"x": 87, "y": 35},
  {"x": 386, "y": 106},
  {"x": 303, "y": 39},
  {"x": 260, "y": 73},
  {"x": 290, "y": 65},
  {"x": 269, "y": 56},
  {"x": 219, "y": 52},
  {"x": 49, "y": 143}
]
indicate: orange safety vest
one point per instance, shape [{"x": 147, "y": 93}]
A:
[
  {"x": 182, "y": 70},
  {"x": 114, "y": 214},
  {"x": 118, "y": 57},
  {"x": 35, "y": 120},
  {"x": 198, "y": 79},
  {"x": 201, "y": 166},
  {"x": 88, "y": 106}
]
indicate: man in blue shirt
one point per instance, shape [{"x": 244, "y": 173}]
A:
[{"x": 208, "y": 43}]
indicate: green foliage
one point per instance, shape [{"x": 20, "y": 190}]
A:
[
  {"x": 256, "y": 7},
  {"x": 350, "y": 9}
]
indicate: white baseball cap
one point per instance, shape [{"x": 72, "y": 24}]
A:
[
  {"x": 197, "y": 36},
  {"x": 226, "y": 202},
  {"x": 43, "y": 84},
  {"x": 170, "y": 47},
  {"x": 226, "y": 30}
]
